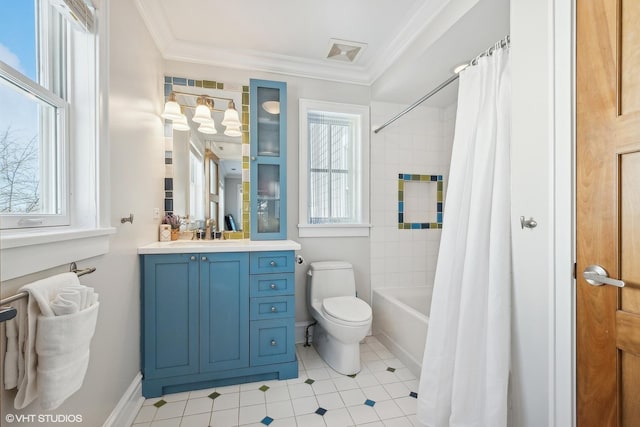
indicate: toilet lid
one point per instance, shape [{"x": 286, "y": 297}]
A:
[{"x": 349, "y": 309}]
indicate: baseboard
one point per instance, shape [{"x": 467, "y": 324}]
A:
[{"x": 127, "y": 408}]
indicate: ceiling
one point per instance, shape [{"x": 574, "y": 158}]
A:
[{"x": 293, "y": 37}]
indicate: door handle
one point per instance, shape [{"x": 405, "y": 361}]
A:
[{"x": 597, "y": 276}]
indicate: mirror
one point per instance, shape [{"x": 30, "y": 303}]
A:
[{"x": 205, "y": 169}]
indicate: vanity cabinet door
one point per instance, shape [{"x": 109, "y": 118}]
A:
[
  {"x": 268, "y": 135},
  {"x": 224, "y": 311},
  {"x": 170, "y": 315}
]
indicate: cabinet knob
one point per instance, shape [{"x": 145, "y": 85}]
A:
[
  {"x": 253, "y": 158},
  {"x": 273, "y": 286},
  {"x": 204, "y": 258},
  {"x": 193, "y": 258},
  {"x": 273, "y": 343},
  {"x": 273, "y": 309},
  {"x": 272, "y": 264}
]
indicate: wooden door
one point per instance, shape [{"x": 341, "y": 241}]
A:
[{"x": 608, "y": 211}]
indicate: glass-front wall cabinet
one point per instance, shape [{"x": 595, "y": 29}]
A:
[{"x": 268, "y": 108}]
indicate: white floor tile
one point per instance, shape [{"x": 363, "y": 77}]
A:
[
  {"x": 318, "y": 374},
  {"x": 368, "y": 356},
  {"x": 323, "y": 387},
  {"x": 201, "y": 393},
  {"x": 175, "y": 397},
  {"x": 251, "y": 397},
  {"x": 407, "y": 404},
  {"x": 362, "y": 414},
  {"x": 375, "y": 365},
  {"x": 413, "y": 385},
  {"x": 373, "y": 424},
  {"x": 387, "y": 409},
  {"x": 398, "y": 422},
  {"x": 384, "y": 354},
  {"x": 279, "y": 410},
  {"x": 170, "y": 410},
  {"x": 404, "y": 374},
  {"x": 353, "y": 397},
  {"x": 225, "y": 418},
  {"x": 198, "y": 406},
  {"x": 386, "y": 377},
  {"x": 345, "y": 383},
  {"x": 228, "y": 389},
  {"x": 141, "y": 425},
  {"x": 366, "y": 380},
  {"x": 198, "y": 420},
  {"x": 300, "y": 390},
  {"x": 376, "y": 393},
  {"x": 314, "y": 364},
  {"x": 330, "y": 401},
  {"x": 338, "y": 418},
  {"x": 169, "y": 422},
  {"x": 285, "y": 422},
  {"x": 226, "y": 401},
  {"x": 277, "y": 394},
  {"x": 145, "y": 414},
  {"x": 304, "y": 405},
  {"x": 310, "y": 420},
  {"x": 252, "y": 414},
  {"x": 397, "y": 390}
]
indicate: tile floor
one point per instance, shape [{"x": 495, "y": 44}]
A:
[{"x": 382, "y": 394}]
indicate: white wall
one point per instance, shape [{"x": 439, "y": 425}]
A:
[
  {"x": 418, "y": 143},
  {"x": 136, "y": 169}
]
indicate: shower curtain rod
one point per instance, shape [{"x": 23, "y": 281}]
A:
[{"x": 488, "y": 52}]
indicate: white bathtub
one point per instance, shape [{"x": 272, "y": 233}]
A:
[{"x": 400, "y": 321}]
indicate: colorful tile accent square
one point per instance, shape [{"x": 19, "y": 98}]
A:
[
  {"x": 413, "y": 394},
  {"x": 267, "y": 420},
  {"x": 264, "y": 388},
  {"x": 310, "y": 381},
  {"x": 438, "y": 180},
  {"x": 213, "y": 395},
  {"x": 160, "y": 403},
  {"x": 369, "y": 402},
  {"x": 321, "y": 411}
]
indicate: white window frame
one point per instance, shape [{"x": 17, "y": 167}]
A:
[
  {"x": 356, "y": 229},
  {"x": 30, "y": 250}
]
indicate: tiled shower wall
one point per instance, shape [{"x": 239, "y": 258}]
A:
[{"x": 418, "y": 143}]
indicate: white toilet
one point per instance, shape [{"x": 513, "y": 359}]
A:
[{"x": 343, "y": 319}]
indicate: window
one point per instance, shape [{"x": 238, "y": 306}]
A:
[
  {"x": 33, "y": 117},
  {"x": 334, "y": 169},
  {"x": 50, "y": 164}
]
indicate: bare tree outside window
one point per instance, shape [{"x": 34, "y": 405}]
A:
[{"x": 19, "y": 173}]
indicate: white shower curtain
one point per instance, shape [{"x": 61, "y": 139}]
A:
[{"x": 466, "y": 364}]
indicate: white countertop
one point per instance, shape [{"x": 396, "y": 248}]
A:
[{"x": 231, "y": 245}]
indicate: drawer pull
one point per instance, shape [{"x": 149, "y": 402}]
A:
[
  {"x": 273, "y": 343},
  {"x": 273, "y": 264},
  {"x": 193, "y": 258},
  {"x": 204, "y": 258},
  {"x": 273, "y": 309},
  {"x": 273, "y": 286}
]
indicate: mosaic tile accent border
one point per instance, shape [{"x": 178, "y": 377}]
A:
[
  {"x": 438, "y": 180},
  {"x": 169, "y": 85}
]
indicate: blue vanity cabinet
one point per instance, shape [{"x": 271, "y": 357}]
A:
[
  {"x": 272, "y": 308},
  {"x": 268, "y": 166},
  {"x": 224, "y": 306},
  {"x": 170, "y": 320},
  {"x": 208, "y": 320}
]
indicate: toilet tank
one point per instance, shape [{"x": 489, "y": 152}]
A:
[{"x": 331, "y": 279}]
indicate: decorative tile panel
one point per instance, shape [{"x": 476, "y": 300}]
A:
[{"x": 437, "y": 181}]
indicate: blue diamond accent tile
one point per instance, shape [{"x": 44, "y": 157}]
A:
[
  {"x": 369, "y": 402},
  {"x": 267, "y": 420},
  {"x": 413, "y": 394},
  {"x": 321, "y": 411}
]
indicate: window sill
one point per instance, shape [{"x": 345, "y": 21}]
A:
[
  {"x": 29, "y": 251},
  {"x": 333, "y": 230}
]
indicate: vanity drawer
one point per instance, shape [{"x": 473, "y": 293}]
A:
[
  {"x": 272, "y": 262},
  {"x": 272, "y": 341},
  {"x": 266, "y": 285},
  {"x": 272, "y": 307}
]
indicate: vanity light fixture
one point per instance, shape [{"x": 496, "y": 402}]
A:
[
  {"x": 171, "y": 108},
  {"x": 231, "y": 117},
  {"x": 203, "y": 110},
  {"x": 181, "y": 123},
  {"x": 208, "y": 128}
]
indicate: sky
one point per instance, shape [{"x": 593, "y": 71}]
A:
[{"x": 17, "y": 35}]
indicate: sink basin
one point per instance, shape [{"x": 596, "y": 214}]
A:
[{"x": 201, "y": 243}]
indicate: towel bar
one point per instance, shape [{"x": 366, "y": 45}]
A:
[{"x": 72, "y": 267}]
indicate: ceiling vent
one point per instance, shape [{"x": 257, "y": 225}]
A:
[{"x": 345, "y": 51}]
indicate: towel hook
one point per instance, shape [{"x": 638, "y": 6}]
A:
[{"x": 127, "y": 219}]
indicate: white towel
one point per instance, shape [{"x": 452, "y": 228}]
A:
[
  {"x": 11, "y": 355},
  {"x": 48, "y": 375}
]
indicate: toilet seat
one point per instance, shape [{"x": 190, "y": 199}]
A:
[{"x": 347, "y": 310}]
